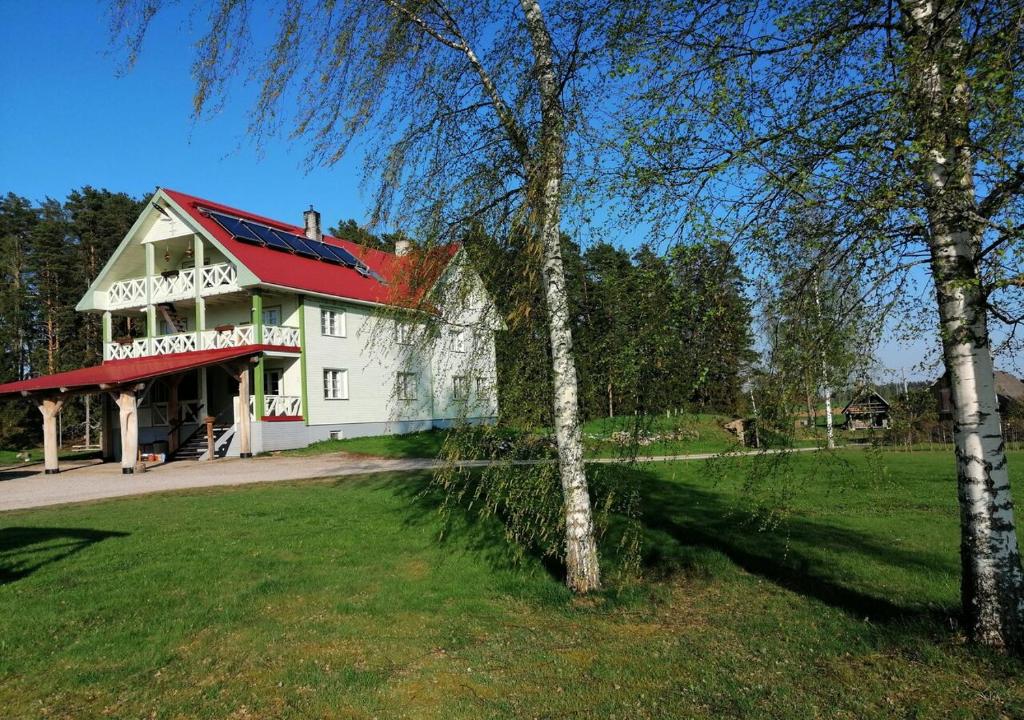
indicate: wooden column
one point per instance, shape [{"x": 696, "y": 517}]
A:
[
  {"x": 129, "y": 417},
  {"x": 50, "y": 408},
  {"x": 244, "y": 443},
  {"x": 210, "y": 449}
]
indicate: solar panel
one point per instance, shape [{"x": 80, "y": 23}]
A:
[
  {"x": 339, "y": 255},
  {"x": 236, "y": 227},
  {"x": 268, "y": 236},
  {"x": 259, "y": 234}
]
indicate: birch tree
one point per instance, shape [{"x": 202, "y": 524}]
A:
[
  {"x": 465, "y": 112},
  {"x": 907, "y": 117}
]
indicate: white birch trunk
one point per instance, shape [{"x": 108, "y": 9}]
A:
[
  {"x": 582, "y": 571},
  {"x": 829, "y": 430},
  {"x": 992, "y": 583},
  {"x": 825, "y": 380}
]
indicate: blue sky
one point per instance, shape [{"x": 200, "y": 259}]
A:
[{"x": 68, "y": 118}]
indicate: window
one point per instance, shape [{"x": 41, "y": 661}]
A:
[
  {"x": 460, "y": 387},
  {"x": 459, "y": 340},
  {"x": 404, "y": 333},
  {"x": 332, "y": 322},
  {"x": 272, "y": 382},
  {"x": 272, "y": 315},
  {"x": 406, "y": 386},
  {"x": 335, "y": 384},
  {"x": 483, "y": 387}
]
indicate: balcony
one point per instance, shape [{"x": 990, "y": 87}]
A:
[
  {"x": 172, "y": 287},
  {"x": 230, "y": 336}
]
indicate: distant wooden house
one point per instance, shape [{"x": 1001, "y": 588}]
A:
[
  {"x": 867, "y": 411},
  {"x": 1009, "y": 390}
]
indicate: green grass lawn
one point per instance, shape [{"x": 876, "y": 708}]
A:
[
  {"x": 336, "y": 600},
  {"x": 704, "y": 434},
  {"x": 10, "y": 457}
]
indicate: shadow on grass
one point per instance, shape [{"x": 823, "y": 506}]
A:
[
  {"x": 795, "y": 558},
  {"x": 680, "y": 521},
  {"x": 23, "y": 550}
]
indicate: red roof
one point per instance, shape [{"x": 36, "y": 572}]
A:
[
  {"x": 123, "y": 372},
  {"x": 300, "y": 273}
]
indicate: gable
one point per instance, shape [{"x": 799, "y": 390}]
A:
[{"x": 170, "y": 231}]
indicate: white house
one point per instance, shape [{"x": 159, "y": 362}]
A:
[{"x": 282, "y": 334}]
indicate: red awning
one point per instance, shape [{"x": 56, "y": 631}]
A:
[{"x": 122, "y": 372}]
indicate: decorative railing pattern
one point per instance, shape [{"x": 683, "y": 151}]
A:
[
  {"x": 231, "y": 336},
  {"x": 214, "y": 280},
  {"x": 278, "y": 406},
  {"x": 127, "y": 293},
  {"x": 168, "y": 288},
  {"x": 190, "y": 412},
  {"x": 280, "y": 335},
  {"x": 218, "y": 279}
]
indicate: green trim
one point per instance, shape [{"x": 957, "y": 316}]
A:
[
  {"x": 107, "y": 328},
  {"x": 150, "y": 250},
  {"x": 302, "y": 358},
  {"x": 257, "y": 330}
]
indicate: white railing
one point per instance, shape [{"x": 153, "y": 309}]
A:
[
  {"x": 230, "y": 336},
  {"x": 174, "y": 287},
  {"x": 280, "y": 335},
  {"x": 218, "y": 279},
  {"x": 123, "y": 351},
  {"x": 127, "y": 293},
  {"x": 135, "y": 292},
  {"x": 278, "y": 405},
  {"x": 170, "y": 344}
]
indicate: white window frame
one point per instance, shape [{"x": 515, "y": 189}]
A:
[
  {"x": 336, "y": 389},
  {"x": 459, "y": 340},
  {"x": 402, "y": 381},
  {"x": 404, "y": 332},
  {"x": 483, "y": 386},
  {"x": 333, "y": 322},
  {"x": 271, "y": 309},
  {"x": 462, "y": 380}
]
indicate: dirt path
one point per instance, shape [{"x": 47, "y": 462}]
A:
[{"x": 28, "y": 487}]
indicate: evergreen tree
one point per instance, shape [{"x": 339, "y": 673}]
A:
[{"x": 17, "y": 221}]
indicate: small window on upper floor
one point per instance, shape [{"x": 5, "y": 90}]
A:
[
  {"x": 458, "y": 340},
  {"x": 272, "y": 315},
  {"x": 404, "y": 332},
  {"x": 332, "y": 322}
]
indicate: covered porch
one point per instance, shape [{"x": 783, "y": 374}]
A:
[{"x": 157, "y": 403}]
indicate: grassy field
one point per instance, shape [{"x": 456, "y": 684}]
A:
[
  {"x": 700, "y": 434},
  {"x": 336, "y": 600},
  {"x": 10, "y": 457}
]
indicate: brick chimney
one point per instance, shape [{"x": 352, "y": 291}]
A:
[{"x": 311, "y": 220}]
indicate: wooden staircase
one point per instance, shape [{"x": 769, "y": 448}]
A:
[
  {"x": 171, "y": 317},
  {"x": 194, "y": 447}
]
